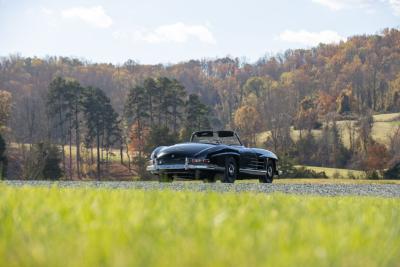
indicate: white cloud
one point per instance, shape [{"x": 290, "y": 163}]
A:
[
  {"x": 310, "y": 38},
  {"x": 174, "y": 33},
  {"x": 344, "y": 4},
  {"x": 47, "y": 11},
  {"x": 395, "y": 4},
  {"x": 95, "y": 16},
  {"x": 367, "y": 5}
]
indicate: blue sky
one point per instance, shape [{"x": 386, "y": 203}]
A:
[{"x": 169, "y": 31}]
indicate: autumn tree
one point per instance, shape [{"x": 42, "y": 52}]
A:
[
  {"x": 137, "y": 113},
  {"x": 138, "y": 136},
  {"x": 344, "y": 102},
  {"x": 247, "y": 120},
  {"x": 393, "y": 100},
  {"x": 377, "y": 157},
  {"x": 307, "y": 116},
  {"x": 364, "y": 130},
  {"x": 331, "y": 151}
]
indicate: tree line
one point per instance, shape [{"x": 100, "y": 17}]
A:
[
  {"x": 76, "y": 112},
  {"x": 85, "y": 131},
  {"x": 161, "y": 113},
  {"x": 303, "y": 89}
]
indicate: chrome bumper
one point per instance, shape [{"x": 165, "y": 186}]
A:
[{"x": 155, "y": 168}]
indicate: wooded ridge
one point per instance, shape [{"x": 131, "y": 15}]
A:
[{"x": 146, "y": 105}]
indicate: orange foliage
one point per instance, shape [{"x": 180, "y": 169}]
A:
[
  {"x": 248, "y": 120},
  {"x": 377, "y": 157},
  {"x": 326, "y": 103}
]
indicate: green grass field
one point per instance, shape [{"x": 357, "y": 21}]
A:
[{"x": 103, "y": 227}]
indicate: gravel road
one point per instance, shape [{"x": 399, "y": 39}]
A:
[{"x": 382, "y": 190}]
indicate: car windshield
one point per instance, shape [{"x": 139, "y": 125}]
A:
[{"x": 223, "y": 137}]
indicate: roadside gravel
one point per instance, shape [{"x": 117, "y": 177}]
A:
[{"x": 381, "y": 190}]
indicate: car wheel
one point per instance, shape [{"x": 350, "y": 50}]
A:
[
  {"x": 268, "y": 177},
  {"x": 165, "y": 178},
  {"x": 231, "y": 171}
]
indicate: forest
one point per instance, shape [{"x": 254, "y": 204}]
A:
[{"x": 68, "y": 117}]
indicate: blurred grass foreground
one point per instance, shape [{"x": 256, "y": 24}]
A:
[{"x": 102, "y": 227}]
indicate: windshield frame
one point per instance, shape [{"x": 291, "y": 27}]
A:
[{"x": 194, "y": 135}]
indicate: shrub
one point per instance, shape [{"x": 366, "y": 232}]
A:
[
  {"x": 373, "y": 175},
  {"x": 303, "y": 172},
  {"x": 43, "y": 162},
  {"x": 289, "y": 171},
  {"x": 51, "y": 169},
  {"x": 393, "y": 172},
  {"x": 351, "y": 175}
]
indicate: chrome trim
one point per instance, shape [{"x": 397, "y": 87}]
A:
[
  {"x": 155, "y": 168},
  {"x": 253, "y": 171},
  {"x": 186, "y": 163}
]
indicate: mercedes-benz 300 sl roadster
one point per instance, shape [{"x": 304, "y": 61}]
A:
[{"x": 212, "y": 155}]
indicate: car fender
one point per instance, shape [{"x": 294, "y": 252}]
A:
[
  {"x": 219, "y": 157},
  {"x": 155, "y": 151},
  {"x": 263, "y": 153}
]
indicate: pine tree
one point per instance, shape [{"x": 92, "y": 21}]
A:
[
  {"x": 56, "y": 104},
  {"x": 137, "y": 110},
  {"x": 196, "y": 116},
  {"x": 101, "y": 122}
]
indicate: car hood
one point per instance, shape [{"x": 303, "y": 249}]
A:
[{"x": 184, "y": 150}]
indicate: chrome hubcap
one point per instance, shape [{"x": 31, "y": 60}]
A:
[
  {"x": 231, "y": 169},
  {"x": 269, "y": 171}
]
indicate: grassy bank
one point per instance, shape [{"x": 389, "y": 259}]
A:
[{"x": 102, "y": 227}]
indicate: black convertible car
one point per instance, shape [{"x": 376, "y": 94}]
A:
[{"x": 210, "y": 155}]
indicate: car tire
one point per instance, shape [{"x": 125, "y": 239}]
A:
[
  {"x": 231, "y": 170},
  {"x": 165, "y": 178},
  {"x": 268, "y": 177}
]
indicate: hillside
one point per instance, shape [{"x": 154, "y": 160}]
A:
[
  {"x": 384, "y": 125},
  {"x": 362, "y": 71},
  {"x": 303, "y": 90}
]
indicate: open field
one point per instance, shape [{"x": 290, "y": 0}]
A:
[
  {"x": 384, "y": 125},
  {"x": 114, "y": 154},
  {"x": 102, "y": 227},
  {"x": 336, "y": 172}
]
